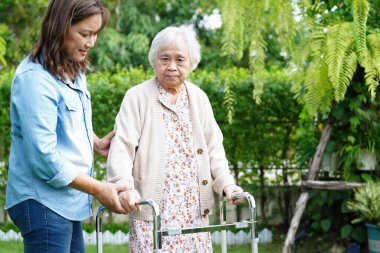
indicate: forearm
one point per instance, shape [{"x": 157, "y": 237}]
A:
[
  {"x": 96, "y": 142},
  {"x": 105, "y": 193},
  {"x": 86, "y": 184}
]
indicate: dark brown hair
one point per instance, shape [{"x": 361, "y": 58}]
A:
[{"x": 60, "y": 15}]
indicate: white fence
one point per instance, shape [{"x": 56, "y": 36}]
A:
[{"x": 121, "y": 238}]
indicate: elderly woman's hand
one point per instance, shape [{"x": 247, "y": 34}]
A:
[
  {"x": 129, "y": 200},
  {"x": 230, "y": 191}
]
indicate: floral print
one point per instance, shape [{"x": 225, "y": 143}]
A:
[{"x": 180, "y": 205}]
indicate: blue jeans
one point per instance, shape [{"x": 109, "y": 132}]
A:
[{"x": 44, "y": 231}]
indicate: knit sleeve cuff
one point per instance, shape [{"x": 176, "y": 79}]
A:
[{"x": 221, "y": 182}]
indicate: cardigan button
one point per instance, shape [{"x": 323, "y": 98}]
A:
[
  {"x": 206, "y": 211},
  {"x": 204, "y": 182},
  {"x": 200, "y": 151}
]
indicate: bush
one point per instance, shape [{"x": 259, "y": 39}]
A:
[
  {"x": 112, "y": 227},
  {"x": 5, "y": 227}
]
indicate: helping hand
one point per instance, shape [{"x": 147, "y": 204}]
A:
[
  {"x": 108, "y": 195},
  {"x": 102, "y": 146}
]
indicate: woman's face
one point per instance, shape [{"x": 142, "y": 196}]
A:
[
  {"x": 172, "y": 66},
  {"x": 81, "y": 37}
]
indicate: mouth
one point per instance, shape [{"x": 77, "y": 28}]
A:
[{"x": 83, "y": 52}]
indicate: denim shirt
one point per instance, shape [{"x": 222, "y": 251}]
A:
[{"x": 52, "y": 140}]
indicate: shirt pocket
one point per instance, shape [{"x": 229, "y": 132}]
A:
[{"x": 73, "y": 114}]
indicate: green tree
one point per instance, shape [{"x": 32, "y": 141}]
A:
[
  {"x": 23, "y": 19},
  {"x": 133, "y": 25},
  {"x": 249, "y": 26}
]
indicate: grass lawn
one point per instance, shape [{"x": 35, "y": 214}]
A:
[
  {"x": 318, "y": 244},
  {"x": 16, "y": 247}
]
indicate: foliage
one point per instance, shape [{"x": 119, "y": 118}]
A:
[
  {"x": 245, "y": 30},
  {"x": 23, "y": 19},
  {"x": 5, "y": 128},
  {"x": 134, "y": 24},
  {"x": 327, "y": 213},
  {"x": 2, "y": 47},
  {"x": 5, "y": 227},
  {"x": 366, "y": 203},
  {"x": 359, "y": 129},
  {"x": 339, "y": 48},
  {"x": 107, "y": 226}
]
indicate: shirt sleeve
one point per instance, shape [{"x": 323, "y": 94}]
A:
[{"x": 34, "y": 98}]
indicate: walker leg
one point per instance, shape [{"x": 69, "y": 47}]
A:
[
  {"x": 99, "y": 234},
  {"x": 223, "y": 241},
  {"x": 223, "y": 233},
  {"x": 254, "y": 246}
]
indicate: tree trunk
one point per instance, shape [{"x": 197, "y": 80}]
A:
[
  {"x": 329, "y": 185},
  {"x": 302, "y": 201}
]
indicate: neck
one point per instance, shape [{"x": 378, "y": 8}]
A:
[{"x": 173, "y": 91}]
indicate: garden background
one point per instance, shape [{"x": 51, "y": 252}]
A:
[{"x": 280, "y": 74}]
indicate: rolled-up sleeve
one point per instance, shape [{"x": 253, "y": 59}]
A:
[{"x": 35, "y": 100}]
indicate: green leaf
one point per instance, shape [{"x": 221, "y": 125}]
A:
[
  {"x": 344, "y": 208},
  {"x": 346, "y": 231},
  {"x": 315, "y": 225},
  {"x": 359, "y": 234},
  {"x": 325, "y": 224},
  {"x": 366, "y": 177}
]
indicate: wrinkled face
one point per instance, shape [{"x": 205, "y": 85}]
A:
[
  {"x": 172, "y": 66},
  {"x": 81, "y": 37}
]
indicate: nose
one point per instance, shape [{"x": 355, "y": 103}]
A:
[
  {"x": 90, "y": 42},
  {"x": 172, "y": 65}
]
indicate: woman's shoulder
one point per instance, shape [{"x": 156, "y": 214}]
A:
[
  {"x": 146, "y": 89},
  {"x": 195, "y": 89},
  {"x": 145, "y": 86},
  {"x": 34, "y": 70}
]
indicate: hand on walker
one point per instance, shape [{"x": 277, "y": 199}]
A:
[
  {"x": 230, "y": 191},
  {"x": 129, "y": 200},
  {"x": 108, "y": 195}
]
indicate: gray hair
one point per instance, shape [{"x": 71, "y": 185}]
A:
[{"x": 182, "y": 36}]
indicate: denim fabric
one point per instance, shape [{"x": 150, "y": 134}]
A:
[
  {"x": 45, "y": 231},
  {"x": 52, "y": 140}
]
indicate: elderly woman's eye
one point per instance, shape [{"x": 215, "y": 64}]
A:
[{"x": 164, "y": 60}]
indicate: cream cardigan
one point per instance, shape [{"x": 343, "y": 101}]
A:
[{"x": 137, "y": 153}]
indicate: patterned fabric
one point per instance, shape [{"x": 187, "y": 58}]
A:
[{"x": 180, "y": 205}]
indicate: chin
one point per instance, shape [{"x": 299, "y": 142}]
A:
[{"x": 78, "y": 58}]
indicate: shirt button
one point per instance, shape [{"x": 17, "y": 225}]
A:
[
  {"x": 206, "y": 211},
  {"x": 204, "y": 182},
  {"x": 199, "y": 151}
]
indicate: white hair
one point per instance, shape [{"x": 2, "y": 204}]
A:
[{"x": 184, "y": 37}]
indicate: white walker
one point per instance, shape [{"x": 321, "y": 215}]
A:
[{"x": 158, "y": 233}]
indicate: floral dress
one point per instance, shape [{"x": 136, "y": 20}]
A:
[{"x": 180, "y": 204}]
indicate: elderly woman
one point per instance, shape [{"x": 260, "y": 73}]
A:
[{"x": 169, "y": 147}]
